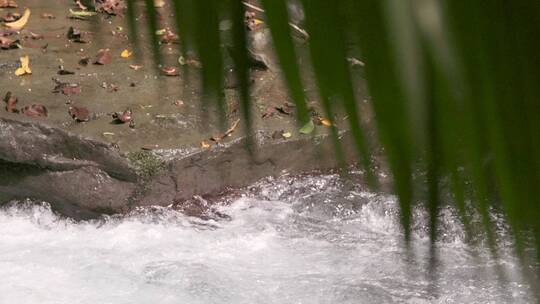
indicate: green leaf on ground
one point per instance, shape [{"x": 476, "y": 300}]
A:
[
  {"x": 307, "y": 128},
  {"x": 82, "y": 13}
]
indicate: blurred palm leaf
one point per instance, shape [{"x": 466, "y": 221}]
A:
[{"x": 455, "y": 87}]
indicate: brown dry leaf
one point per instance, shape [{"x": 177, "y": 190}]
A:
[
  {"x": 6, "y": 43},
  {"x": 135, "y": 67},
  {"x": 168, "y": 37},
  {"x": 111, "y": 7},
  {"x": 10, "y": 17},
  {"x": 25, "y": 66},
  {"x": 19, "y": 24},
  {"x": 229, "y": 131},
  {"x": 11, "y": 103},
  {"x": 126, "y": 53},
  {"x": 103, "y": 57},
  {"x": 286, "y": 108},
  {"x": 8, "y": 4},
  {"x": 269, "y": 112},
  {"x": 79, "y": 114},
  {"x": 123, "y": 117},
  {"x": 80, "y": 5},
  {"x": 75, "y": 35},
  {"x": 66, "y": 88},
  {"x": 35, "y": 110},
  {"x": 62, "y": 71},
  {"x": 36, "y": 36},
  {"x": 170, "y": 71}
]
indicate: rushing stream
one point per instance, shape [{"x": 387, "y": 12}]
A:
[{"x": 293, "y": 240}]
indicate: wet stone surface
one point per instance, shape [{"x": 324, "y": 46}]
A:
[{"x": 130, "y": 105}]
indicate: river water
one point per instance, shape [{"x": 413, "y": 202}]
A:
[{"x": 313, "y": 239}]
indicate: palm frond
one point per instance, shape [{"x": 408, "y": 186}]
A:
[{"x": 454, "y": 88}]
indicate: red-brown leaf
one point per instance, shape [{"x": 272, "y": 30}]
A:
[
  {"x": 6, "y": 43},
  {"x": 35, "y": 110},
  {"x": 11, "y": 103},
  {"x": 8, "y": 4},
  {"x": 103, "y": 57},
  {"x": 10, "y": 17},
  {"x": 79, "y": 114},
  {"x": 170, "y": 71},
  {"x": 123, "y": 117}
]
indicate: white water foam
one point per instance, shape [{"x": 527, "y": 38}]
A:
[{"x": 307, "y": 240}]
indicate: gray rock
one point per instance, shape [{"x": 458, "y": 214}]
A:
[{"x": 81, "y": 178}]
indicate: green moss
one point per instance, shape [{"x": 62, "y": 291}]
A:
[{"x": 146, "y": 164}]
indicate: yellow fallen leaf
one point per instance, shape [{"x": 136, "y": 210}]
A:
[
  {"x": 126, "y": 54},
  {"x": 258, "y": 21},
  {"x": 19, "y": 24},
  {"x": 205, "y": 144},
  {"x": 25, "y": 67},
  {"x": 326, "y": 122}
]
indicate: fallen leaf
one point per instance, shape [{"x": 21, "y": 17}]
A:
[
  {"x": 286, "y": 108},
  {"x": 126, "y": 54},
  {"x": 159, "y": 3},
  {"x": 75, "y": 35},
  {"x": 135, "y": 67},
  {"x": 36, "y": 36},
  {"x": 79, "y": 114},
  {"x": 111, "y": 7},
  {"x": 103, "y": 57},
  {"x": 66, "y": 88},
  {"x": 168, "y": 37},
  {"x": 62, "y": 71},
  {"x": 19, "y": 24},
  {"x": 110, "y": 87},
  {"x": 81, "y": 13},
  {"x": 84, "y": 61},
  {"x": 80, "y": 5},
  {"x": 326, "y": 122},
  {"x": 170, "y": 71},
  {"x": 286, "y": 135},
  {"x": 8, "y": 4},
  {"x": 10, "y": 17},
  {"x": 229, "y": 131},
  {"x": 35, "y": 110},
  {"x": 6, "y": 43},
  {"x": 47, "y": 16},
  {"x": 355, "y": 62},
  {"x": 205, "y": 144},
  {"x": 269, "y": 112},
  {"x": 11, "y": 103},
  {"x": 123, "y": 117},
  {"x": 25, "y": 66},
  {"x": 307, "y": 128}
]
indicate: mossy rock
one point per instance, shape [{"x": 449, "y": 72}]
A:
[{"x": 146, "y": 164}]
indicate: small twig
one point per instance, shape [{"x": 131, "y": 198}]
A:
[{"x": 294, "y": 26}]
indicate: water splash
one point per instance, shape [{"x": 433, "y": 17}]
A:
[{"x": 314, "y": 239}]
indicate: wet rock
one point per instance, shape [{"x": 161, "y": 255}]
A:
[{"x": 81, "y": 178}]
